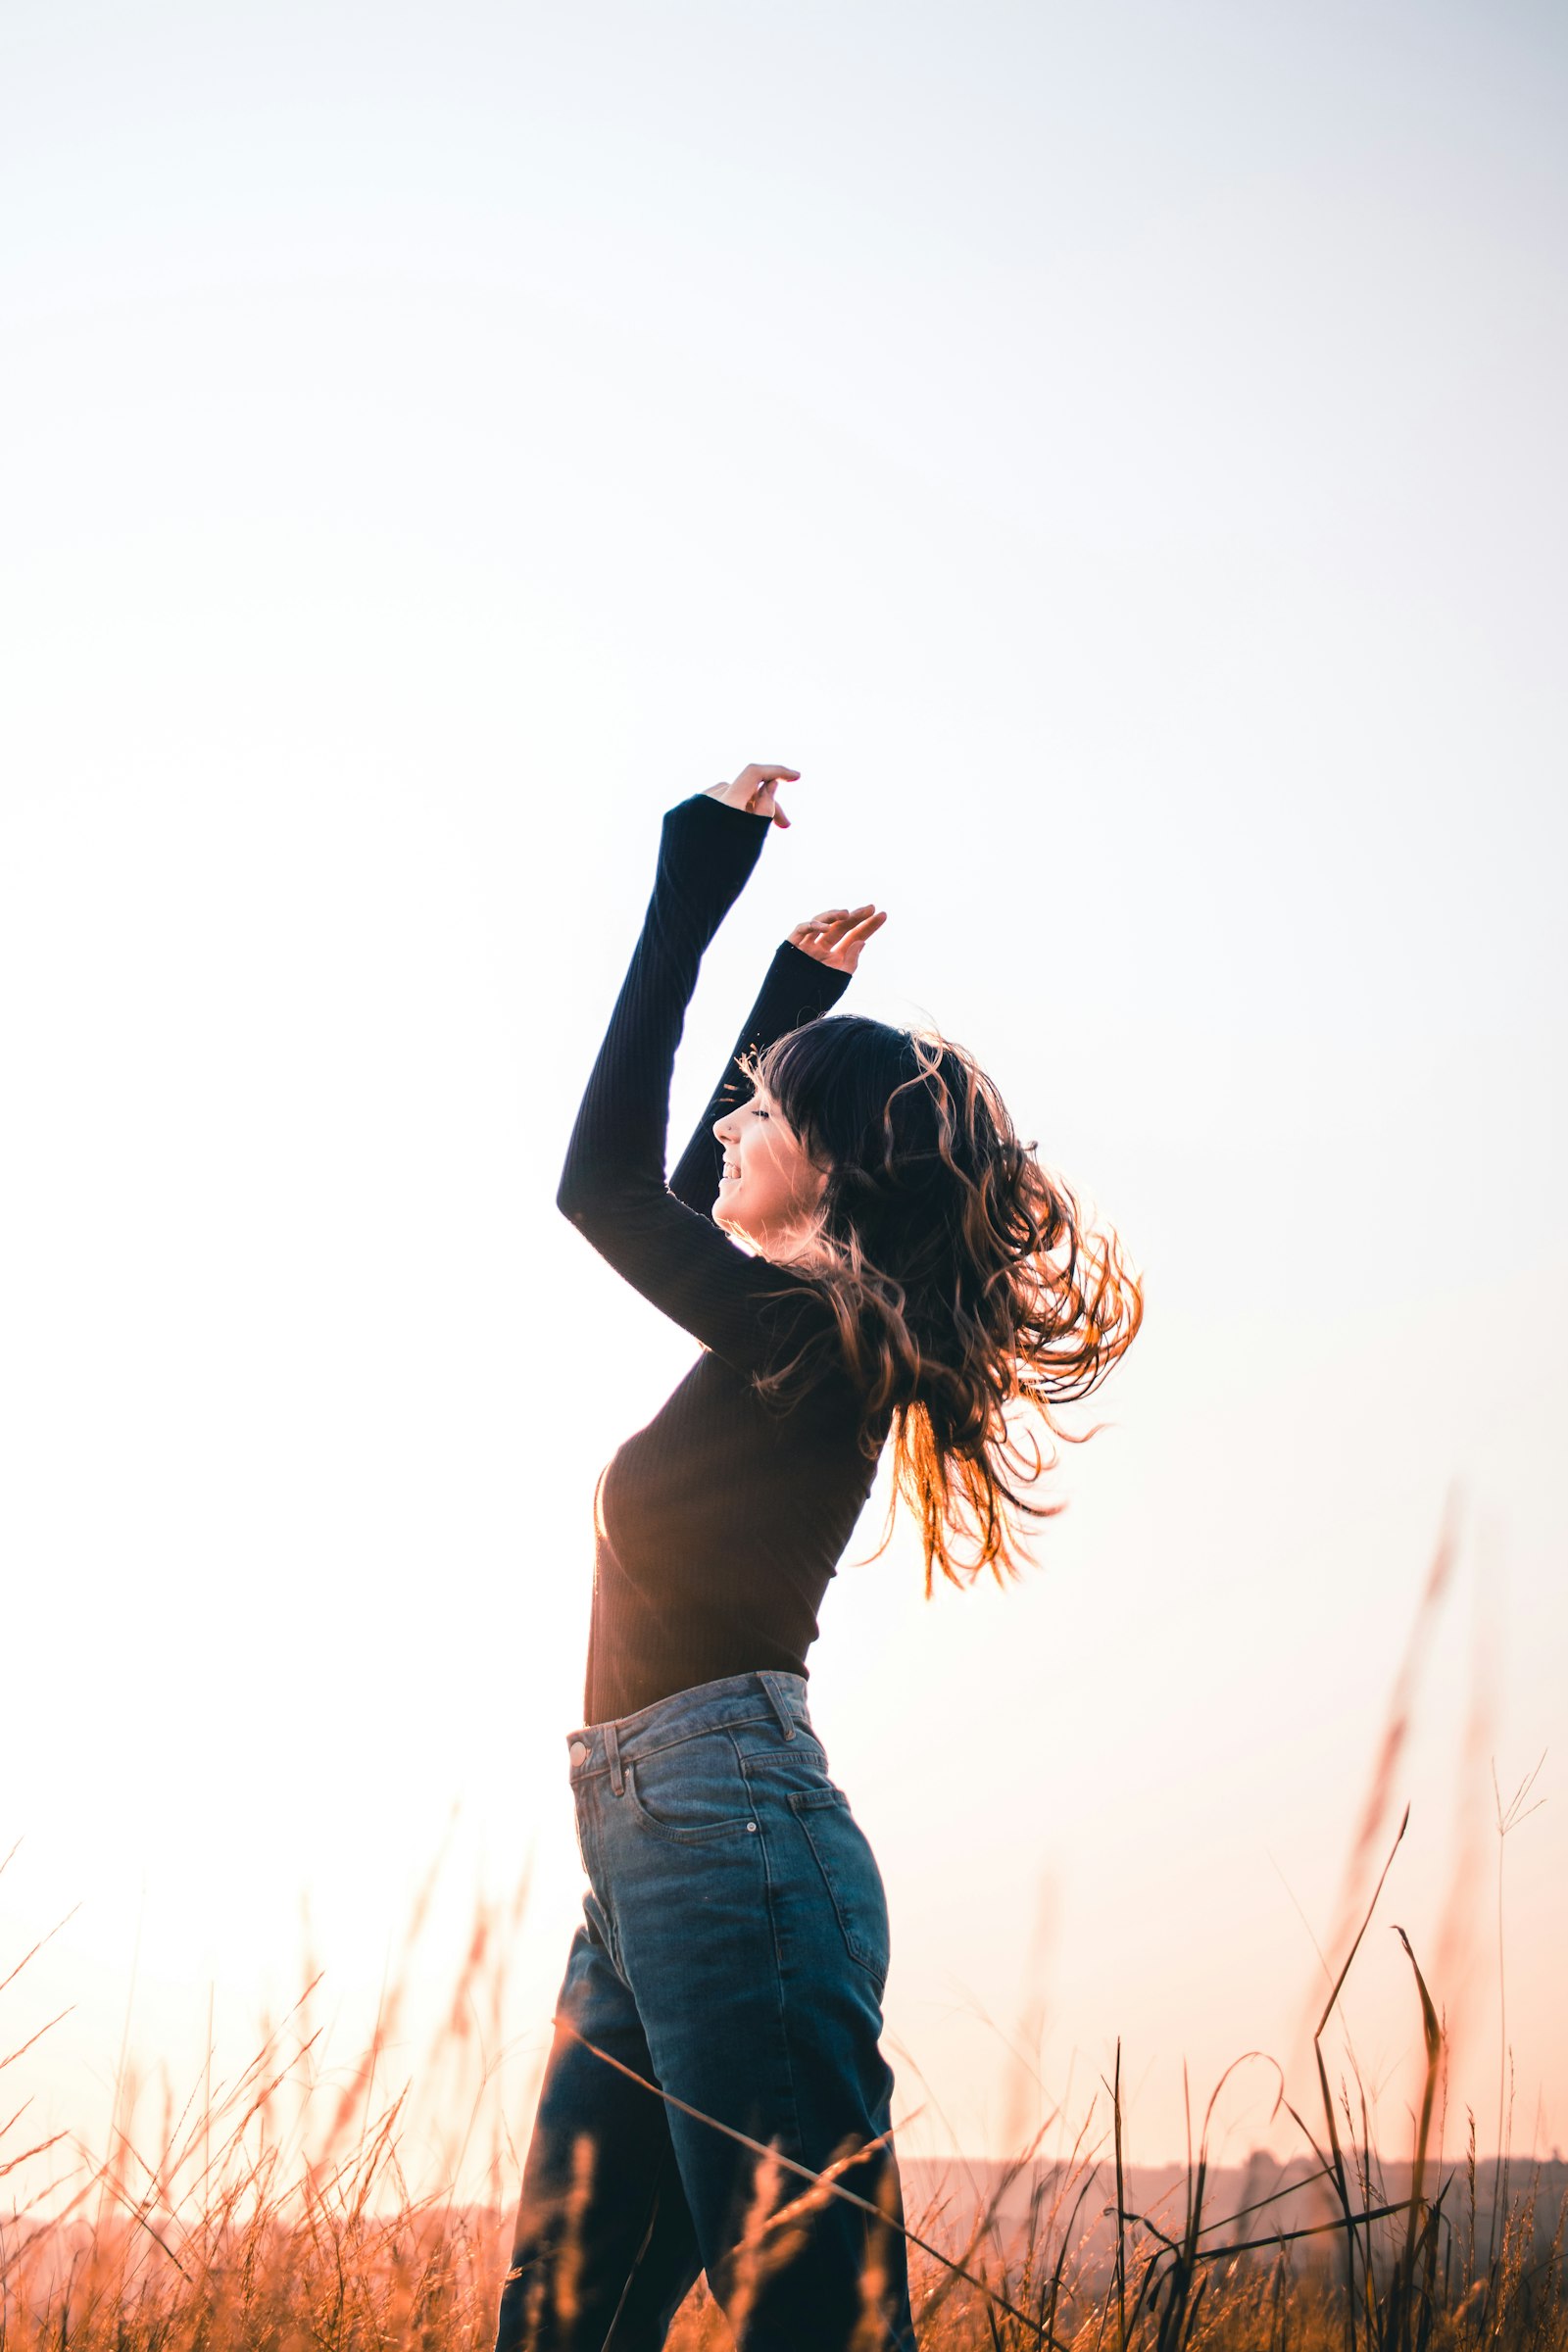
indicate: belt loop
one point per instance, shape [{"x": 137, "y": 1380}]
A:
[
  {"x": 776, "y": 1700},
  {"x": 617, "y": 1777}
]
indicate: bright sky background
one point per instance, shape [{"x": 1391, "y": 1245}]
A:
[{"x": 1115, "y": 453}]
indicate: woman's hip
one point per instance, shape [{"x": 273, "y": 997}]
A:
[{"x": 720, "y": 1847}]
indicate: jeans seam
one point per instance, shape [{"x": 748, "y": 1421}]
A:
[
  {"x": 666, "y": 2161},
  {"x": 858, "y": 1951},
  {"x": 798, "y": 2150},
  {"x": 706, "y": 1731}
]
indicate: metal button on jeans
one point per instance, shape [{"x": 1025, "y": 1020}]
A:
[{"x": 578, "y": 1753}]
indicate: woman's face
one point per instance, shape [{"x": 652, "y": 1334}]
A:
[{"x": 771, "y": 1188}]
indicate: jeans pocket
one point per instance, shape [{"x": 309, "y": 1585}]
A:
[
  {"x": 850, "y": 1872},
  {"x": 690, "y": 1793}
]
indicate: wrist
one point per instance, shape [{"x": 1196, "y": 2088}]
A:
[
  {"x": 795, "y": 966},
  {"x": 726, "y": 809}
]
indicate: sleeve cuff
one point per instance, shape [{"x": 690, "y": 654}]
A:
[
  {"x": 829, "y": 978},
  {"x": 708, "y": 851},
  {"x": 799, "y": 988},
  {"x": 716, "y": 817}
]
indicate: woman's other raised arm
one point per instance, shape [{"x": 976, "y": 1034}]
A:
[{"x": 805, "y": 979}]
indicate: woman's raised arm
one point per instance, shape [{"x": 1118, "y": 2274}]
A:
[{"x": 613, "y": 1183}]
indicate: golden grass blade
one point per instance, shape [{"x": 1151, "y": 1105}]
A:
[
  {"x": 1401, "y": 1703},
  {"x": 38, "y": 2150},
  {"x": 12, "y": 2056},
  {"x": 12, "y": 1976}
]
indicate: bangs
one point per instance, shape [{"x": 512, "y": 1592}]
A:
[{"x": 832, "y": 1078}]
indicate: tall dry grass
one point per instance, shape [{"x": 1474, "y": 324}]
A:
[{"x": 273, "y": 2212}]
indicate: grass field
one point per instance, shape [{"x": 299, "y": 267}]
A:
[{"x": 273, "y": 2212}]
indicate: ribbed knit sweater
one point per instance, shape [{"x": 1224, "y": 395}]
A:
[{"x": 718, "y": 1524}]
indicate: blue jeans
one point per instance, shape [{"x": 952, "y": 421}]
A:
[{"x": 733, "y": 1952}]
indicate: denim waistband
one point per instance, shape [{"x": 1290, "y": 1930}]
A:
[{"x": 706, "y": 1707}]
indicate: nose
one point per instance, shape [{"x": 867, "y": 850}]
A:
[{"x": 725, "y": 1130}]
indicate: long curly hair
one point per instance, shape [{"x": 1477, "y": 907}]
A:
[{"x": 970, "y": 1298}]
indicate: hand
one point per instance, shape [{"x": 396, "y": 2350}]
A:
[
  {"x": 837, "y": 935},
  {"x": 752, "y": 790}
]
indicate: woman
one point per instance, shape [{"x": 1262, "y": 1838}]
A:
[{"x": 905, "y": 1268}]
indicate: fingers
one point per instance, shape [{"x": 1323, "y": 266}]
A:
[
  {"x": 837, "y": 935},
  {"x": 758, "y": 781},
  {"x": 856, "y": 937},
  {"x": 752, "y": 790},
  {"x": 827, "y": 925},
  {"x": 838, "y": 920}
]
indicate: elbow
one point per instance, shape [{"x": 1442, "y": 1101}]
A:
[
  {"x": 584, "y": 1200},
  {"x": 603, "y": 1203},
  {"x": 574, "y": 1198}
]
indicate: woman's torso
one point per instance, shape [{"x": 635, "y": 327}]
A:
[{"x": 718, "y": 1529}]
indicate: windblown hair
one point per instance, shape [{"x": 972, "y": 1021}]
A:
[{"x": 971, "y": 1300}]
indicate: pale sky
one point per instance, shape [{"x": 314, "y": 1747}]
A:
[{"x": 1115, "y": 455}]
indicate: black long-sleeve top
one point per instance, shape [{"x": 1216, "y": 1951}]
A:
[{"x": 718, "y": 1524}]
